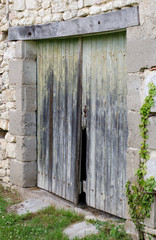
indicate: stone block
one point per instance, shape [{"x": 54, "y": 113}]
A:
[
  {"x": 151, "y": 133},
  {"x": 19, "y": 5},
  {"x": 29, "y": 71},
  {"x": 134, "y": 137},
  {"x": 151, "y": 232},
  {"x": 150, "y": 77},
  {"x": 134, "y": 92},
  {"x": 22, "y": 71},
  {"x": 26, "y": 98},
  {"x": 140, "y": 55},
  {"x": 11, "y": 150},
  {"x": 22, "y": 124},
  {"x": 15, "y": 71},
  {"x": 26, "y": 49},
  {"x": 23, "y": 174},
  {"x": 151, "y": 165},
  {"x": 131, "y": 230},
  {"x": 26, "y": 150},
  {"x": 151, "y": 222},
  {"x": 133, "y": 160}
]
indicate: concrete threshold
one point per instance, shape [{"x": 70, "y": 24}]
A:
[{"x": 50, "y": 199}]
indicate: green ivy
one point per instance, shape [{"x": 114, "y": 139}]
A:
[{"x": 140, "y": 194}]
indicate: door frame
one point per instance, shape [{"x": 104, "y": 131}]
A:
[{"x": 26, "y": 60}]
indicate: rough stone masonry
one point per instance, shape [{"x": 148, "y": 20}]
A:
[{"x": 18, "y": 92}]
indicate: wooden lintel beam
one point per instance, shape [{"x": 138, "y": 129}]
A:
[{"x": 106, "y": 22}]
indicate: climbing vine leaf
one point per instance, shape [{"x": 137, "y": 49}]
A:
[{"x": 140, "y": 194}]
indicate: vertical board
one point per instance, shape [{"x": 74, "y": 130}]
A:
[
  {"x": 58, "y": 117},
  {"x": 104, "y": 93}
]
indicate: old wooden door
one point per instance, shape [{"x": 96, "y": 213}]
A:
[
  {"x": 104, "y": 94},
  {"x": 59, "y": 116},
  {"x": 76, "y": 75}
]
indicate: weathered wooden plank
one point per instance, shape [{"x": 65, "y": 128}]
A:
[
  {"x": 105, "y": 22},
  {"x": 58, "y": 83},
  {"x": 105, "y": 74}
]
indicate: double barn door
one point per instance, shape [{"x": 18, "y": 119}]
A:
[{"x": 82, "y": 119}]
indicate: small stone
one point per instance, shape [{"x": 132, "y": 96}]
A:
[
  {"x": 11, "y": 150},
  {"x": 2, "y": 173},
  {"x": 8, "y": 172},
  {"x": 80, "y": 4},
  {"x": 5, "y": 78},
  {"x": 41, "y": 13},
  {"x": 10, "y": 138},
  {"x": 9, "y": 95},
  {"x": 19, "y": 5},
  {"x": 2, "y": 155},
  {"x": 69, "y": 15},
  {"x": 106, "y": 7},
  {"x": 57, "y": 17},
  {"x": 6, "y": 179},
  {"x": 5, "y": 115},
  {"x": 9, "y": 53},
  {"x": 38, "y": 20},
  {"x": 46, "y": 4},
  {"x": 88, "y": 3},
  {"x": 3, "y": 144},
  {"x": 83, "y": 12},
  {"x": 5, "y": 164},
  {"x": 80, "y": 230},
  {"x": 95, "y": 10},
  {"x": 4, "y": 124},
  {"x": 31, "y": 4},
  {"x": 90, "y": 217},
  {"x": 47, "y": 19},
  {"x": 73, "y": 5},
  {"x": 10, "y": 105}
]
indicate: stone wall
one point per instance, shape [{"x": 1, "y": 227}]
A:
[{"x": 141, "y": 59}]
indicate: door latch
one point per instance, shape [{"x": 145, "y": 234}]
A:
[{"x": 85, "y": 111}]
